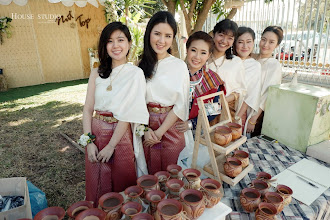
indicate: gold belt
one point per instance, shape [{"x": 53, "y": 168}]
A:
[
  {"x": 160, "y": 109},
  {"x": 108, "y": 119}
]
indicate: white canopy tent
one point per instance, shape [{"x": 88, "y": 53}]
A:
[{"x": 68, "y": 3}]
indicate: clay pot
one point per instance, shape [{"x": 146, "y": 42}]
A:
[
  {"x": 232, "y": 167},
  {"x": 91, "y": 214},
  {"x": 111, "y": 203},
  {"x": 243, "y": 157},
  {"x": 191, "y": 179},
  {"x": 50, "y": 213},
  {"x": 211, "y": 192},
  {"x": 143, "y": 216},
  {"x": 285, "y": 192},
  {"x": 261, "y": 186},
  {"x": 174, "y": 170},
  {"x": 131, "y": 209},
  {"x": 169, "y": 209},
  {"x": 222, "y": 135},
  {"x": 147, "y": 183},
  {"x": 133, "y": 193},
  {"x": 154, "y": 197},
  {"x": 276, "y": 199},
  {"x": 174, "y": 187},
  {"x": 78, "y": 207},
  {"x": 264, "y": 176},
  {"x": 250, "y": 199},
  {"x": 163, "y": 177},
  {"x": 265, "y": 211},
  {"x": 236, "y": 130},
  {"x": 193, "y": 203}
]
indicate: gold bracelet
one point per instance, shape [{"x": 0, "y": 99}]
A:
[{"x": 252, "y": 123}]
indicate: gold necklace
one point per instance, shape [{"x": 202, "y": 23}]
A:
[
  {"x": 109, "y": 88},
  {"x": 218, "y": 66}
]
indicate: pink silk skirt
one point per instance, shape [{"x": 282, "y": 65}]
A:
[
  {"x": 161, "y": 155},
  {"x": 119, "y": 172}
]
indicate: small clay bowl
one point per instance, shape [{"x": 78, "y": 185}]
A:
[
  {"x": 78, "y": 207},
  {"x": 55, "y": 212},
  {"x": 236, "y": 130},
  {"x": 91, "y": 214},
  {"x": 222, "y": 135}
]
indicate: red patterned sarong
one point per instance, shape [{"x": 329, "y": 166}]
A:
[
  {"x": 119, "y": 172},
  {"x": 161, "y": 155}
]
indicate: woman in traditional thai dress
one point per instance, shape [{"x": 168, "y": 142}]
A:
[
  {"x": 271, "y": 72},
  {"x": 243, "y": 47},
  {"x": 230, "y": 68},
  {"x": 167, "y": 93},
  {"x": 116, "y": 92}
]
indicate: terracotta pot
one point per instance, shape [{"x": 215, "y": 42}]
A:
[
  {"x": 250, "y": 199},
  {"x": 261, "y": 186},
  {"x": 169, "y": 209},
  {"x": 264, "y": 176},
  {"x": 193, "y": 203},
  {"x": 133, "y": 194},
  {"x": 111, "y": 204},
  {"x": 50, "y": 213},
  {"x": 143, "y": 216},
  {"x": 147, "y": 183},
  {"x": 232, "y": 167},
  {"x": 276, "y": 199},
  {"x": 285, "y": 192},
  {"x": 243, "y": 157},
  {"x": 92, "y": 214},
  {"x": 265, "y": 211},
  {"x": 163, "y": 177},
  {"x": 191, "y": 178},
  {"x": 131, "y": 209},
  {"x": 236, "y": 130},
  {"x": 222, "y": 135},
  {"x": 154, "y": 197},
  {"x": 78, "y": 207},
  {"x": 174, "y": 187},
  {"x": 174, "y": 170},
  {"x": 211, "y": 191}
]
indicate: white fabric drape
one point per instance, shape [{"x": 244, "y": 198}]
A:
[
  {"x": 17, "y": 2},
  {"x": 68, "y": 3}
]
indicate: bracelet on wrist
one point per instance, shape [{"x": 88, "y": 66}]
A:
[
  {"x": 141, "y": 129},
  {"x": 252, "y": 122},
  {"x": 86, "y": 139}
]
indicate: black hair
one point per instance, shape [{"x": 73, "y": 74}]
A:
[
  {"x": 105, "y": 67},
  {"x": 276, "y": 30},
  {"x": 240, "y": 32},
  {"x": 201, "y": 35},
  {"x": 149, "y": 56},
  {"x": 225, "y": 26}
]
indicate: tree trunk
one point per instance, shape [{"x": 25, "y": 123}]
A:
[
  {"x": 232, "y": 13},
  {"x": 202, "y": 16}
]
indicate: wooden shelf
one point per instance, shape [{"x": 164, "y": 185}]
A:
[{"x": 227, "y": 148}]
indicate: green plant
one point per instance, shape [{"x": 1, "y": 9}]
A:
[{"x": 5, "y": 28}]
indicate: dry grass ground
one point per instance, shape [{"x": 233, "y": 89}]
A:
[{"x": 30, "y": 145}]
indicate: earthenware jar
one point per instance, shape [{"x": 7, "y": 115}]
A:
[
  {"x": 243, "y": 157},
  {"x": 191, "y": 178},
  {"x": 131, "y": 209},
  {"x": 143, "y": 216},
  {"x": 174, "y": 170},
  {"x": 236, "y": 130},
  {"x": 50, "y": 213},
  {"x": 91, "y": 214},
  {"x": 163, "y": 177},
  {"x": 261, "y": 186},
  {"x": 193, "y": 203},
  {"x": 285, "y": 192},
  {"x": 133, "y": 194},
  {"x": 222, "y": 135},
  {"x": 174, "y": 186},
  {"x": 232, "y": 167},
  {"x": 211, "y": 191},
  {"x": 147, "y": 183},
  {"x": 276, "y": 199},
  {"x": 264, "y": 176},
  {"x": 111, "y": 203},
  {"x": 154, "y": 197},
  {"x": 250, "y": 199},
  {"x": 78, "y": 207},
  {"x": 169, "y": 209},
  {"x": 265, "y": 211}
]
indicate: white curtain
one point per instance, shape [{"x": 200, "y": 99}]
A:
[{"x": 68, "y": 3}]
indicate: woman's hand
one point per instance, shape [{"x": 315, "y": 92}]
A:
[
  {"x": 92, "y": 152},
  {"x": 150, "y": 138},
  {"x": 182, "y": 126},
  {"x": 250, "y": 126},
  {"x": 105, "y": 154}
]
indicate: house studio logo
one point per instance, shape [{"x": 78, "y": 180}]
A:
[{"x": 42, "y": 18}]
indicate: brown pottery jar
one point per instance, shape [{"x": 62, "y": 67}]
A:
[
  {"x": 143, "y": 216},
  {"x": 154, "y": 197},
  {"x": 92, "y": 214},
  {"x": 133, "y": 194},
  {"x": 169, "y": 209},
  {"x": 276, "y": 199},
  {"x": 250, "y": 199},
  {"x": 286, "y": 192},
  {"x": 193, "y": 203},
  {"x": 265, "y": 211},
  {"x": 54, "y": 212},
  {"x": 236, "y": 130},
  {"x": 232, "y": 167},
  {"x": 222, "y": 135},
  {"x": 211, "y": 190},
  {"x": 78, "y": 207},
  {"x": 174, "y": 170},
  {"x": 163, "y": 177},
  {"x": 174, "y": 186},
  {"x": 131, "y": 209},
  {"x": 261, "y": 186},
  {"x": 243, "y": 157},
  {"x": 111, "y": 203},
  {"x": 264, "y": 176},
  {"x": 191, "y": 178},
  {"x": 147, "y": 183}
]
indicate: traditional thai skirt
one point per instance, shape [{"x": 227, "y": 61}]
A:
[
  {"x": 120, "y": 171},
  {"x": 159, "y": 156}
]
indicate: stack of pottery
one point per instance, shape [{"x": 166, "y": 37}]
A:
[
  {"x": 223, "y": 135},
  {"x": 235, "y": 164}
]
